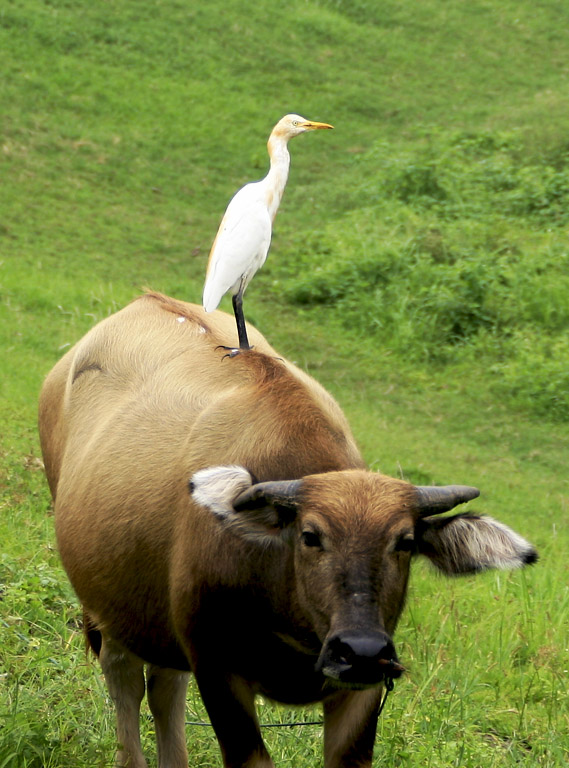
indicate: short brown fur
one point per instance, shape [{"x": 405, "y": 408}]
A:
[{"x": 144, "y": 401}]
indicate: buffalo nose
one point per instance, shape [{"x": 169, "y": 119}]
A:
[
  {"x": 347, "y": 648},
  {"x": 360, "y": 658}
]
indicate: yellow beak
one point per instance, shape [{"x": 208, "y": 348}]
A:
[{"x": 310, "y": 125}]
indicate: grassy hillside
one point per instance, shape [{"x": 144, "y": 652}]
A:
[{"x": 419, "y": 269}]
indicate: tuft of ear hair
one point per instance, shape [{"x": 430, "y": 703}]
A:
[
  {"x": 469, "y": 543},
  {"x": 259, "y": 517},
  {"x": 217, "y": 488}
]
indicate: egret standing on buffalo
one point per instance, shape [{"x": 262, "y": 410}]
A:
[{"x": 244, "y": 235}]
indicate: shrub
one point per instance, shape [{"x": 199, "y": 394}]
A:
[
  {"x": 536, "y": 375},
  {"x": 450, "y": 251}
]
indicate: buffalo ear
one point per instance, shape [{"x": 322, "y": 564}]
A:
[
  {"x": 258, "y": 511},
  {"x": 266, "y": 511},
  {"x": 467, "y": 543},
  {"x": 217, "y": 488}
]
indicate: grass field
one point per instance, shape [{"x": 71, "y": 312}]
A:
[{"x": 419, "y": 269}]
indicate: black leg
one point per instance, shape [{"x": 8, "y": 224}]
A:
[
  {"x": 350, "y": 722},
  {"x": 230, "y": 705},
  {"x": 240, "y": 319}
]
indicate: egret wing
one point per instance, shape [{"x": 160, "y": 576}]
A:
[{"x": 239, "y": 250}]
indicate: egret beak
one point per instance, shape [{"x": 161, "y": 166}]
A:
[{"x": 310, "y": 125}]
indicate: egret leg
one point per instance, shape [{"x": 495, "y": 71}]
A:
[{"x": 240, "y": 319}]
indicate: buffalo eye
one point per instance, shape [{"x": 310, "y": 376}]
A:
[
  {"x": 405, "y": 543},
  {"x": 311, "y": 539}
]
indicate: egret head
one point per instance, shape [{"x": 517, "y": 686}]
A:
[{"x": 291, "y": 125}]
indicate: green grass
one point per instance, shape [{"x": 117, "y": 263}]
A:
[{"x": 418, "y": 269}]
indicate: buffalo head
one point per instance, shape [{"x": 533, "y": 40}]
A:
[{"x": 351, "y": 536}]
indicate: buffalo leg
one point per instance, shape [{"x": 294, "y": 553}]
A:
[
  {"x": 124, "y": 675},
  {"x": 231, "y": 707},
  {"x": 167, "y": 701},
  {"x": 350, "y": 722}
]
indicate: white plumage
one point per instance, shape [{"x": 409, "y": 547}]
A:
[
  {"x": 244, "y": 235},
  {"x": 241, "y": 245}
]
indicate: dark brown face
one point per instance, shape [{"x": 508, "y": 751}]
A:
[
  {"x": 353, "y": 533},
  {"x": 352, "y": 556}
]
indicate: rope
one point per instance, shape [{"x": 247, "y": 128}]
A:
[
  {"x": 389, "y": 685},
  {"x": 267, "y": 725}
]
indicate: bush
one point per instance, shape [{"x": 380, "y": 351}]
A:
[
  {"x": 536, "y": 376},
  {"x": 458, "y": 252},
  {"x": 449, "y": 245},
  {"x": 466, "y": 175}
]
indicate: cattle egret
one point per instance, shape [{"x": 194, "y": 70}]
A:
[{"x": 244, "y": 235}]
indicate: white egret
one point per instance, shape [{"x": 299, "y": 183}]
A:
[{"x": 242, "y": 242}]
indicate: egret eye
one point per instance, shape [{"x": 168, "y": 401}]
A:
[
  {"x": 310, "y": 539},
  {"x": 295, "y": 122},
  {"x": 405, "y": 543}
]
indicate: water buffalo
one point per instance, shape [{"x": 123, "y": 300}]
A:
[{"x": 215, "y": 517}]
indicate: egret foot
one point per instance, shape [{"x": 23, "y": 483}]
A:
[{"x": 233, "y": 351}]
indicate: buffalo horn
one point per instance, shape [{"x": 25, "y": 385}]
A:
[
  {"x": 275, "y": 493},
  {"x": 432, "y": 499}
]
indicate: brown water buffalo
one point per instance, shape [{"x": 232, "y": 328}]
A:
[{"x": 215, "y": 516}]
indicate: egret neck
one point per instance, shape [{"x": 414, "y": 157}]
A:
[{"x": 276, "y": 178}]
